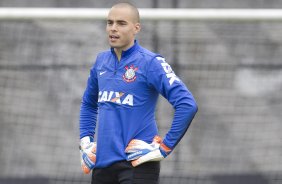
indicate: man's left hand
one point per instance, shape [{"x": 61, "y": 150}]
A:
[{"x": 139, "y": 152}]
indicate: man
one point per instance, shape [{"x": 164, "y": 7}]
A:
[{"x": 122, "y": 90}]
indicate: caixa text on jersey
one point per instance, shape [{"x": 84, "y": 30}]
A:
[{"x": 115, "y": 97}]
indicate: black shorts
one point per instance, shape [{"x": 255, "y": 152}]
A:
[{"x": 124, "y": 173}]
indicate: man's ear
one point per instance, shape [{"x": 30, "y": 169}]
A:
[{"x": 137, "y": 28}]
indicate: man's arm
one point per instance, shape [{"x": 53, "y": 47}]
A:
[
  {"x": 87, "y": 119},
  {"x": 162, "y": 78},
  {"x": 88, "y": 109}
]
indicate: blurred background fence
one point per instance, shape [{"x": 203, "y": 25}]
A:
[{"x": 234, "y": 70}]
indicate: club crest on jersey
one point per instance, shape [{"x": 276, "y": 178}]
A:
[{"x": 130, "y": 75}]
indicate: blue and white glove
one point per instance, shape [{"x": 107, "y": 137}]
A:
[
  {"x": 87, "y": 154},
  {"x": 139, "y": 152}
]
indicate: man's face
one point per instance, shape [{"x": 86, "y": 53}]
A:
[{"x": 121, "y": 28}]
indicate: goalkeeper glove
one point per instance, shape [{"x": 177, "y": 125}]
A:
[
  {"x": 140, "y": 152},
  {"x": 87, "y": 154}
]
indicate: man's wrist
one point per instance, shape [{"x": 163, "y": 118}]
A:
[
  {"x": 165, "y": 150},
  {"x": 85, "y": 141}
]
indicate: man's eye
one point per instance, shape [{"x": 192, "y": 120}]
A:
[{"x": 122, "y": 23}]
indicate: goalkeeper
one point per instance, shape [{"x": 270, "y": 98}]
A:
[{"x": 120, "y": 98}]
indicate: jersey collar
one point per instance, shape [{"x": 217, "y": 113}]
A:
[{"x": 128, "y": 51}]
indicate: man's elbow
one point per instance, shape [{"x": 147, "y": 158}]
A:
[
  {"x": 188, "y": 107},
  {"x": 193, "y": 107},
  {"x": 196, "y": 108}
]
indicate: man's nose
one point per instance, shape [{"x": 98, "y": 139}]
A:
[{"x": 114, "y": 27}]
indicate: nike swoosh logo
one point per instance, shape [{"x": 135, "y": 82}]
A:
[{"x": 101, "y": 73}]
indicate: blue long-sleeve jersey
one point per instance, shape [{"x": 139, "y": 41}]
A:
[{"x": 121, "y": 96}]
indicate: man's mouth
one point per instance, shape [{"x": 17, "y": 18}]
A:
[{"x": 113, "y": 37}]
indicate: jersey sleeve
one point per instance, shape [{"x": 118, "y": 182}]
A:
[
  {"x": 89, "y": 105},
  {"x": 161, "y": 77}
]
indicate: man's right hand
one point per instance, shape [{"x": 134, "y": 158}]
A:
[{"x": 87, "y": 154}]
